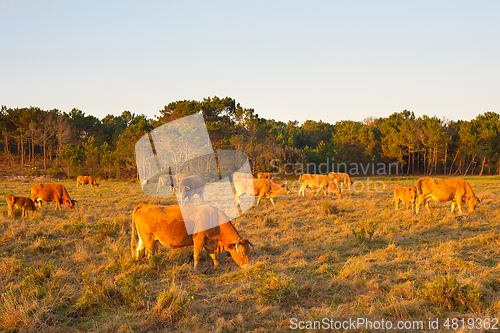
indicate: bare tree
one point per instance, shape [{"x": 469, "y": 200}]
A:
[
  {"x": 63, "y": 134},
  {"x": 45, "y": 131}
]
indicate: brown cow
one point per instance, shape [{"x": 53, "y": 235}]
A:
[
  {"x": 407, "y": 195},
  {"x": 167, "y": 224},
  {"x": 51, "y": 192},
  {"x": 341, "y": 177},
  {"x": 260, "y": 188},
  {"x": 265, "y": 175},
  {"x": 190, "y": 186},
  {"x": 313, "y": 181},
  {"x": 456, "y": 190},
  {"x": 84, "y": 180},
  {"x": 329, "y": 187},
  {"x": 20, "y": 202}
]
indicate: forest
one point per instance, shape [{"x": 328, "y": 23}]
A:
[{"x": 64, "y": 144}]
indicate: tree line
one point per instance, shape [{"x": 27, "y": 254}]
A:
[{"x": 60, "y": 143}]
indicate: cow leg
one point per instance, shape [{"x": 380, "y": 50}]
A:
[
  {"x": 427, "y": 206},
  {"x": 396, "y": 203},
  {"x": 302, "y": 189},
  {"x": 271, "y": 201},
  {"x": 452, "y": 206},
  {"x": 421, "y": 199},
  {"x": 140, "y": 247},
  {"x": 214, "y": 258},
  {"x": 202, "y": 196},
  {"x": 407, "y": 205},
  {"x": 198, "y": 246},
  {"x": 10, "y": 210}
]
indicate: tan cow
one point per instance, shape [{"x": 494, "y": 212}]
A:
[
  {"x": 84, "y": 180},
  {"x": 406, "y": 195},
  {"x": 341, "y": 177},
  {"x": 456, "y": 190},
  {"x": 189, "y": 186},
  {"x": 259, "y": 188},
  {"x": 313, "y": 181},
  {"x": 20, "y": 202},
  {"x": 167, "y": 225},
  {"x": 51, "y": 192},
  {"x": 329, "y": 187},
  {"x": 265, "y": 175}
]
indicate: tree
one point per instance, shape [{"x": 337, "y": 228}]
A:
[
  {"x": 91, "y": 151},
  {"x": 71, "y": 157}
]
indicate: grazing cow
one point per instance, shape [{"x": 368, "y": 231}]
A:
[
  {"x": 313, "y": 181},
  {"x": 167, "y": 225},
  {"x": 329, "y": 187},
  {"x": 260, "y": 188},
  {"x": 456, "y": 190},
  {"x": 164, "y": 180},
  {"x": 406, "y": 195},
  {"x": 51, "y": 192},
  {"x": 190, "y": 186},
  {"x": 84, "y": 180},
  {"x": 20, "y": 202},
  {"x": 265, "y": 175},
  {"x": 341, "y": 177}
]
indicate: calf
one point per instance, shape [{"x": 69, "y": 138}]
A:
[
  {"x": 20, "y": 202},
  {"x": 406, "y": 195}
]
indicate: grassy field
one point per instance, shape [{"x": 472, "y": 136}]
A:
[{"x": 315, "y": 257}]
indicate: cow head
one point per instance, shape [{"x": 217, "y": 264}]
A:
[
  {"x": 94, "y": 183},
  {"x": 70, "y": 203},
  {"x": 240, "y": 252},
  {"x": 413, "y": 194},
  {"x": 473, "y": 201}
]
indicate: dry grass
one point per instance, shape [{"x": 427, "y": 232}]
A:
[{"x": 314, "y": 258}]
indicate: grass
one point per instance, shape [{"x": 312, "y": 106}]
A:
[{"x": 315, "y": 257}]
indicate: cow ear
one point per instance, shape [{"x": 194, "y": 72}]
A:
[
  {"x": 188, "y": 188},
  {"x": 478, "y": 200}
]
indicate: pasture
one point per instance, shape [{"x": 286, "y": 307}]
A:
[{"x": 315, "y": 257}]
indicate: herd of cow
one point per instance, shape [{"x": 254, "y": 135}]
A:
[{"x": 167, "y": 224}]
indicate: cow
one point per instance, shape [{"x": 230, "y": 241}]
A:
[
  {"x": 189, "y": 186},
  {"x": 164, "y": 180},
  {"x": 51, "y": 192},
  {"x": 341, "y": 177},
  {"x": 313, "y": 181},
  {"x": 456, "y": 190},
  {"x": 84, "y": 180},
  {"x": 259, "y": 188},
  {"x": 265, "y": 175},
  {"x": 406, "y": 195},
  {"x": 329, "y": 187},
  {"x": 167, "y": 224},
  {"x": 20, "y": 202}
]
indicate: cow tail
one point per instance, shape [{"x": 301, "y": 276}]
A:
[
  {"x": 419, "y": 187},
  {"x": 132, "y": 226}
]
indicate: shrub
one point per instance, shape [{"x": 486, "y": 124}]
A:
[{"x": 447, "y": 292}]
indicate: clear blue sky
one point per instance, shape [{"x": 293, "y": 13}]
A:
[{"x": 289, "y": 60}]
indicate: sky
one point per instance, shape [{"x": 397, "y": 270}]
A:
[{"x": 288, "y": 60}]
